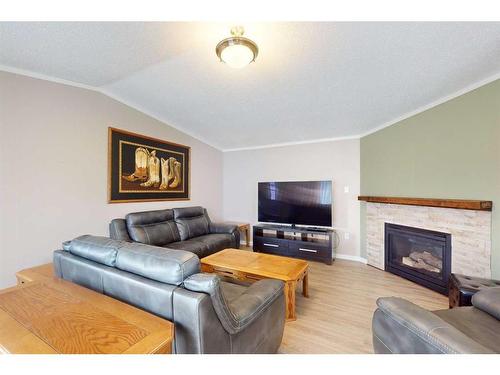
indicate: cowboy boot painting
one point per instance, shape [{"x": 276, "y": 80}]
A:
[
  {"x": 171, "y": 168},
  {"x": 156, "y": 171},
  {"x": 141, "y": 166},
  {"x": 177, "y": 175},
  {"x": 153, "y": 171},
  {"x": 164, "y": 174}
]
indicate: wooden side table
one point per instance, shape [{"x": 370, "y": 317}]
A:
[
  {"x": 43, "y": 272},
  {"x": 243, "y": 228}
]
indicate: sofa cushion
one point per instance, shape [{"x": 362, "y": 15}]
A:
[
  {"x": 191, "y": 222},
  {"x": 196, "y": 247},
  {"x": 474, "y": 323},
  {"x": 215, "y": 242},
  {"x": 157, "y": 263},
  {"x": 98, "y": 249},
  {"x": 152, "y": 227}
]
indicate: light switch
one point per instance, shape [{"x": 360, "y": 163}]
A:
[
  {"x": 346, "y": 235},
  {"x": 346, "y": 189}
]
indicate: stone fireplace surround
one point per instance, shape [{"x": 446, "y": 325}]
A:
[{"x": 470, "y": 231}]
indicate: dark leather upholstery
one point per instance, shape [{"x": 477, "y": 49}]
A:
[
  {"x": 196, "y": 247},
  {"x": 488, "y": 300},
  {"x": 205, "y": 245},
  {"x": 156, "y": 263},
  {"x": 153, "y": 227},
  {"x": 236, "y": 314},
  {"x": 191, "y": 221},
  {"x": 214, "y": 242},
  {"x": 118, "y": 230},
  {"x": 99, "y": 249},
  {"x": 476, "y": 324},
  {"x": 136, "y": 290},
  {"x": 400, "y": 326},
  {"x": 188, "y": 229},
  {"x": 250, "y": 321},
  {"x": 221, "y": 228}
]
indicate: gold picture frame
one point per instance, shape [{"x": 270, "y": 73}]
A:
[{"x": 143, "y": 168}]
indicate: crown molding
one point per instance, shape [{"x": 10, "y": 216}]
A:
[
  {"x": 405, "y": 116},
  {"x": 104, "y": 91},
  {"x": 285, "y": 144},
  {"x": 44, "y": 77},
  {"x": 155, "y": 116},
  {"x": 199, "y": 138}
]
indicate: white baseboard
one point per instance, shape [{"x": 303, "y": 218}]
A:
[
  {"x": 351, "y": 257},
  {"x": 337, "y": 256}
]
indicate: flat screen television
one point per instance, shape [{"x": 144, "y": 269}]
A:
[{"x": 296, "y": 203}]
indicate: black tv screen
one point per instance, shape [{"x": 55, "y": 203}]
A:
[{"x": 300, "y": 203}]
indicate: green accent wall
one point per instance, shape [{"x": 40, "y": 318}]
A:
[{"x": 449, "y": 151}]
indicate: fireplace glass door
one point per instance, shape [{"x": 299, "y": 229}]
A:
[{"x": 419, "y": 255}]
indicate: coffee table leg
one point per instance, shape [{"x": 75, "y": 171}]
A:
[
  {"x": 290, "y": 300},
  {"x": 305, "y": 285}
]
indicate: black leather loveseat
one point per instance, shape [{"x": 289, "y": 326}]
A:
[{"x": 188, "y": 229}]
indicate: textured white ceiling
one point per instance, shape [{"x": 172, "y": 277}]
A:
[{"x": 310, "y": 80}]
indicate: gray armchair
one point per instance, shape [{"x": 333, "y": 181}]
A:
[
  {"x": 209, "y": 315},
  {"x": 400, "y": 326}
]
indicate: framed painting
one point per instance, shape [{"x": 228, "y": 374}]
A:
[{"x": 143, "y": 169}]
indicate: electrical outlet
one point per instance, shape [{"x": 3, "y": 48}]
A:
[
  {"x": 346, "y": 189},
  {"x": 346, "y": 235}
]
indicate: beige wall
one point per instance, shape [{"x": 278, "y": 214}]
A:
[
  {"x": 53, "y": 168},
  {"x": 336, "y": 160}
]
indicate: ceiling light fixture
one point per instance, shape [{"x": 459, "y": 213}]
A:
[{"x": 237, "y": 51}]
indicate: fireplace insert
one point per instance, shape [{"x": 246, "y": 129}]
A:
[{"x": 419, "y": 255}]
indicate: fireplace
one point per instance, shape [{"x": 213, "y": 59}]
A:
[{"x": 419, "y": 255}]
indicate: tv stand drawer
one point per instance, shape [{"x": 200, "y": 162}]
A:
[
  {"x": 309, "y": 251},
  {"x": 271, "y": 246}
]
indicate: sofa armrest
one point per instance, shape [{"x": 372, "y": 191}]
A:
[
  {"x": 227, "y": 229},
  {"x": 488, "y": 300},
  {"x": 118, "y": 230},
  {"x": 223, "y": 228},
  {"x": 236, "y": 315},
  {"x": 400, "y": 326}
]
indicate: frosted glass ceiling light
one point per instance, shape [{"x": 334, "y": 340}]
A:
[{"x": 237, "y": 51}]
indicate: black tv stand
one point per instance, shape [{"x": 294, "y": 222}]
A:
[{"x": 299, "y": 242}]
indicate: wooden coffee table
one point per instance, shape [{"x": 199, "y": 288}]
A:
[
  {"x": 45, "y": 314},
  {"x": 249, "y": 266}
]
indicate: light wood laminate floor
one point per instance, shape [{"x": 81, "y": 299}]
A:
[{"x": 336, "y": 318}]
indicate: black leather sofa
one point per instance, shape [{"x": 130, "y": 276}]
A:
[
  {"x": 209, "y": 315},
  {"x": 188, "y": 229}
]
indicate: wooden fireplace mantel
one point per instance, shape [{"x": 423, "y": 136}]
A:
[{"x": 462, "y": 204}]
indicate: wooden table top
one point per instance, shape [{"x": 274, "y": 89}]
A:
[
  {"x": 272, "y": 266},
  {"x": 55, "y": 316}
]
